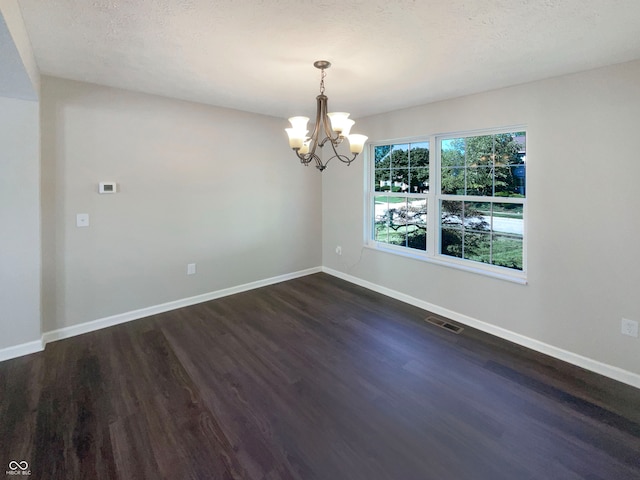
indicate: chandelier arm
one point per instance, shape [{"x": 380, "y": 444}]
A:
[
  {"x": 307, "y": 158},
  {"x": 347, "y": 160},
  {"x": 334, "y": 141},
  {"x": 316, "y": 129},
  {"x": 327, "y": 163},
  {"x": 326, "y": 123},
  {"x": 323, "y": 109},
  {"x": 341, "y": 157},
  {"x": 303, "y": 159}
]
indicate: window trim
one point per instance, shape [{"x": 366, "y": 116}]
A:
[{"x": 432, "y": 255}]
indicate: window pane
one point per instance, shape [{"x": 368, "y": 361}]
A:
[
  {"x": 503, "y": 181},
  {"x": 453, "y": 152},
  {"x": 400, "y": 156},
  {"x": 480, "y": 181},
  {"x": 419, "y": 180},
  {"x": 477, "y": 216},
  {"x": 397, "y": 236},
  {"x": 399, "y": 220},
  {"x": 477, "y": 246},
  {"x": 508, "y": 218},
  {"x": 419, "y": 167},
  {"x": 400, "y": 180},
  {"x": 480, "y": 151},
  {"x": 451, "y": 214},
  {"x": 451, "y": 242},
  {"x": 382, "y": 180},
  {"x": 417, "y": 224},
  {"x": 507, "y": 251},
  {"x": 419, "y": 155},
  {"x": 510, "y": 181},
  {"x": 382, "y": 156},
  {"x": 398, "y": 216},
  {"x": 518, "y": 173},
  {"x": 520, "y": 139},
  {"x": 508, "y": 148},
  {"x": 380, "y": 226},
  {"x": 452, "y": 181}
]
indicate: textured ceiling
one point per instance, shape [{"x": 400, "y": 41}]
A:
[{"x": 386, "y": 54}]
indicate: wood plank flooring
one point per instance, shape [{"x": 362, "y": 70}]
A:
[{"x": 310, "y": 379}]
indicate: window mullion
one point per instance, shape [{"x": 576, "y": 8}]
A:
[{"x": 433, "y": 207}]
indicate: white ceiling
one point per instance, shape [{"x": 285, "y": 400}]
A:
[{"x": 387, "y": 54}]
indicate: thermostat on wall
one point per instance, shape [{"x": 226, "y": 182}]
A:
[{"x": 107, "y": 187}]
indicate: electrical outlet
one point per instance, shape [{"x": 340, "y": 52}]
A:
[
  {"x": 82, "y": 220},
  {"x": 630, "y": 327},
  {"x": 339, "y": 250},
  {"x": 191, "y": 269}
]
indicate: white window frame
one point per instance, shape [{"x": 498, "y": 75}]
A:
[{"x": 434, "y": 197}]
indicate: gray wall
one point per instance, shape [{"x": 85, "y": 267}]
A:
[
  {"x": 582, "y": 227},
  {"x": 221, "y": 188},
  {"x": 197, "y": 184},
  {"x": 19, "y": 222}
]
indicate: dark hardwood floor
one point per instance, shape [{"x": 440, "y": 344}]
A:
[{"x": 310, "y": 379}]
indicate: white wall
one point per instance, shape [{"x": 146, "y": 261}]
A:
[
  {"x": 20, "y": 75},
  {"x": 583, "y": 210},
  {"x": 20, "y": 251},
  {"x": 19, "y": 223},
  {"x": 197, "y": 184}
]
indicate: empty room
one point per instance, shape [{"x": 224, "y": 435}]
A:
[{"x": 210, "y": 270}]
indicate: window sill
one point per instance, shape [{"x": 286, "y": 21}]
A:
[{"x": 516, "y": 277}]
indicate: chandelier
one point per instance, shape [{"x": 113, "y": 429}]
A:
[{"x": 334, "y": 126}]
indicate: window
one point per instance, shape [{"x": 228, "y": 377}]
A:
[
  {"x": 471, "y": 213},
  {"x": 401, "y": 184}
]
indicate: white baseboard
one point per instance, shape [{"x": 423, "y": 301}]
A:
[
  {"x": 610, "y": 371},
  {"x": 20, "y": 350},
  {"x": 101, "y": 323}
]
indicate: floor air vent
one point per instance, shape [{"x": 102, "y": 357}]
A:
[{"x": 444, "y": 324}]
